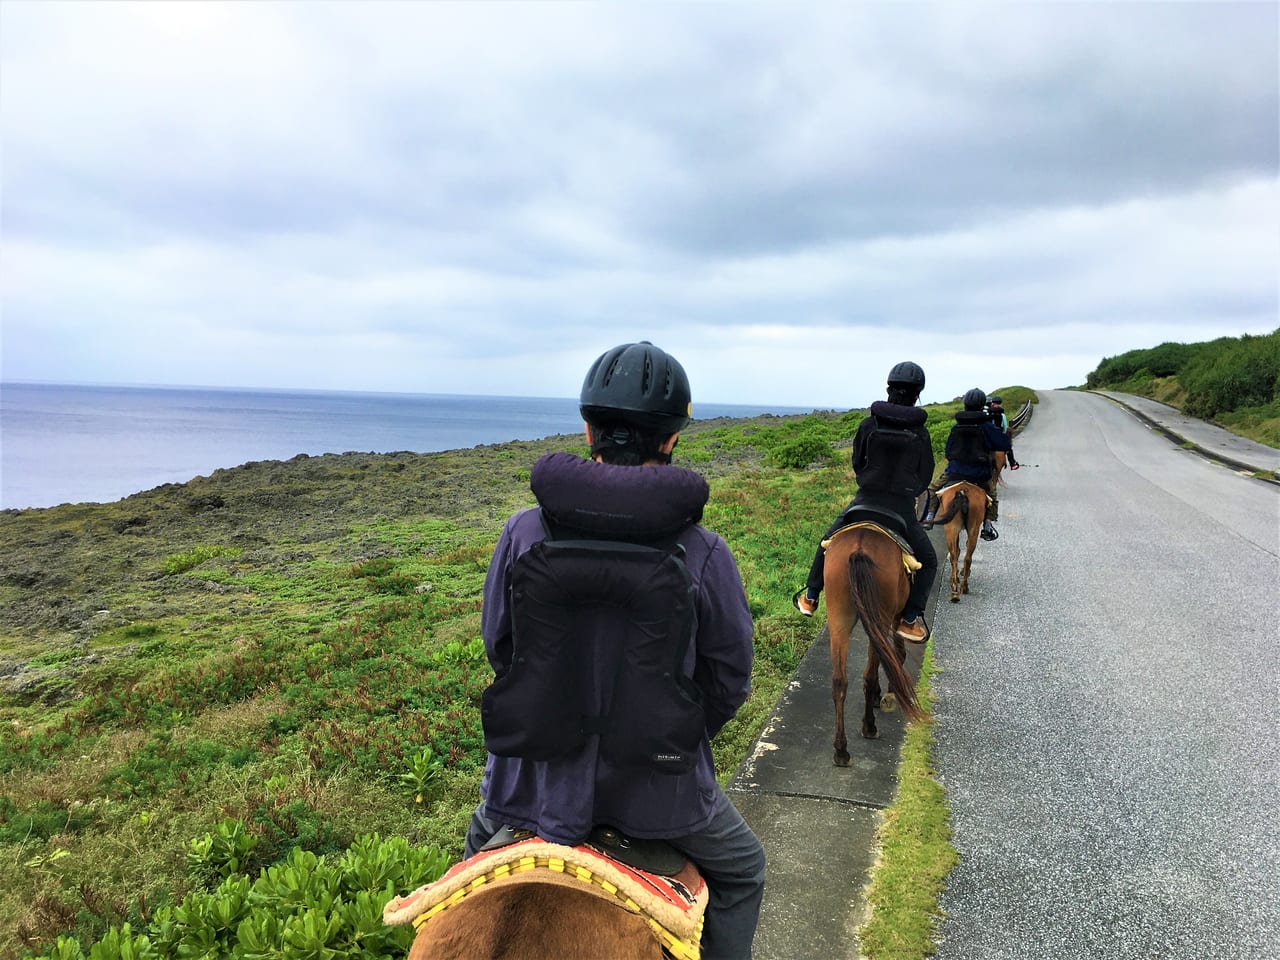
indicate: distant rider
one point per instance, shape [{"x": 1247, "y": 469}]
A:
[
  {"x": 634, "y": 402},
  {"x": 891, "y": 475},
  {"x": 995, "y": 409},
  {"x": 969, "y": 448}
]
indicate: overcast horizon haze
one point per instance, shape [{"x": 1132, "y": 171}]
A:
[{"x": 479, "y": 198}]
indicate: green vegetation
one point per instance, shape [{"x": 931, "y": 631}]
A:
[
  {"x": 916, "y": 852},
  {"x": 182, "y": 562},
  {"x": 1231, "y": 381},
  {"x": 185, "y": 728}
]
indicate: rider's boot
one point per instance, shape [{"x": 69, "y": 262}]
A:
[
  {"x": 988, "y": 531},
  {"x": 914, "y": 629}
]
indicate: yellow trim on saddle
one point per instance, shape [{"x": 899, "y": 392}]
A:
[
  {"x": 972, "y": 483},
  {"x": 909, "y": 562},
  {"x": 679, "y": 948}
]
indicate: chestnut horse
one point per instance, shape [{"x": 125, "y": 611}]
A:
[
  {"x": 998, "y": 461},
  {"x": 865, "y": 580},
  {"x": 961, "y": 506},
  {"x": 535, "y": 921}
]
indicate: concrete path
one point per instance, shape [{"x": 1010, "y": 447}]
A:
[{"x": 818, "y": 822}]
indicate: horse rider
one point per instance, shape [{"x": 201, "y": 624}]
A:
[
  {"x": 634, "y": 401},
  {"x": 970, "y": 445},
  {"x": 893, "y": 463},
  {"x": 995, "y": 409}
]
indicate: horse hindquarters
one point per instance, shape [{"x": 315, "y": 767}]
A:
[{"x": 535, "y": 921}]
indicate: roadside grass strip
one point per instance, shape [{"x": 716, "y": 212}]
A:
[{"x": 916, "y": 853}]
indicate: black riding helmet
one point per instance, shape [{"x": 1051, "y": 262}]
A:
[
  {"x": 975, "y": 399},
  {"x": 640, "y": 385},
  {"x": 907, "y": 374},
  {"x": 994, "y": 398}
]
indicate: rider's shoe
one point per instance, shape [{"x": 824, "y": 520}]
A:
[
  {"x": 930, "y": 507},
  {"x": 988, "y": 531},
  {"x": 804, "y": 604},
  {"x": 913, "y": 630}
]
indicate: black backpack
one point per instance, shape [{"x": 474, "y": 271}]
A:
[
  {"x": 892, "y": 460},
  {"x": 536, "y": 709},
  {"x": 969, "y": 444}
]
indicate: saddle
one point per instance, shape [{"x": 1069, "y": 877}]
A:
[
  {"x": 673, "y": 906},
  {"x": 855, "y": 522},
  {"x": 972, "y": 483},
  {"x": 860, "y": 512},
  {"x": 647, "y": 856}
]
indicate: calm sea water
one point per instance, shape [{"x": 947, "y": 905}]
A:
[{"x": 72, "y": 444}]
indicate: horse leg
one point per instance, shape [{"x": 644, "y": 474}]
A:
[
  {"x": 839, "y": 691},
  {"x": 971, "y": 544},
  {"x": 840, "y": 622},
  {"x": 953, "y": 556},
  {"x": 889, "y": 700},
  {"x": 870, "y": 693}
]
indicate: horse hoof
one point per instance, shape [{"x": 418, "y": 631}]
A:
[
  {"x": 842, "y": 760},
  {"x": 955, "y": 598},
  {"x": 870, "y": 733},
  {"x": 965, "y": 590},
  {"x": 888, "y": 703}
]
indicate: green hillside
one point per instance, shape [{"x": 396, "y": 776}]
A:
[{"x": 1232, "y": 381}]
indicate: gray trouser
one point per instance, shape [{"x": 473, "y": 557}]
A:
[{"x": 732, "y": 862}]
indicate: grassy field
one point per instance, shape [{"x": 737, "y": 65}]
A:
[{"x": 240, "y": 713}]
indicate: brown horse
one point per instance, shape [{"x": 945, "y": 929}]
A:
[
  {"x": 998, "y": 461},
  {"x": 866, "y": 581},
  {"x": 961, "y": 506},
  {"x": 535, "y": 921}
]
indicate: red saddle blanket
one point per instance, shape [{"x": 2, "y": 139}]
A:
[{"x": 676, "y": 904}]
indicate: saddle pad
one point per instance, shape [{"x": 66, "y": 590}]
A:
[
  {"x": 673, "y": 906},
  {"x": 957, "y": 483},
  {"x": 909, "y": 561}
]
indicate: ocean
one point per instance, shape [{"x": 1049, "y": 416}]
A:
[{"x": 96, "y": 444}]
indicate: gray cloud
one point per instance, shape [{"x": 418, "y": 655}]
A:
[{"x": 480, "y": 197}]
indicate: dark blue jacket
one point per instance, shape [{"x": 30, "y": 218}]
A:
[
  {"x": 992, "y": 437},
  {"x": 562, "y": 799}
]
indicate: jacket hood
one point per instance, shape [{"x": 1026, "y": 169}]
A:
[
  {"x": 633, "y": 503},
  {"x": 899, "y": 415}
]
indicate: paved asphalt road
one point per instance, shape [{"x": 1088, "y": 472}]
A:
[{"x": 1109, "y": 710}]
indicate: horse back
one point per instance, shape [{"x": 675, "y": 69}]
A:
[{"x": 528, "y": 918}]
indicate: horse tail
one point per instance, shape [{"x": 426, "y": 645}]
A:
[
  {"x": 957, "y": 504},
  {"x": 868, "y": 605}
]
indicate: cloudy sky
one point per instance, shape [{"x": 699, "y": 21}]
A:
[{"x": 480, "y": 198}]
